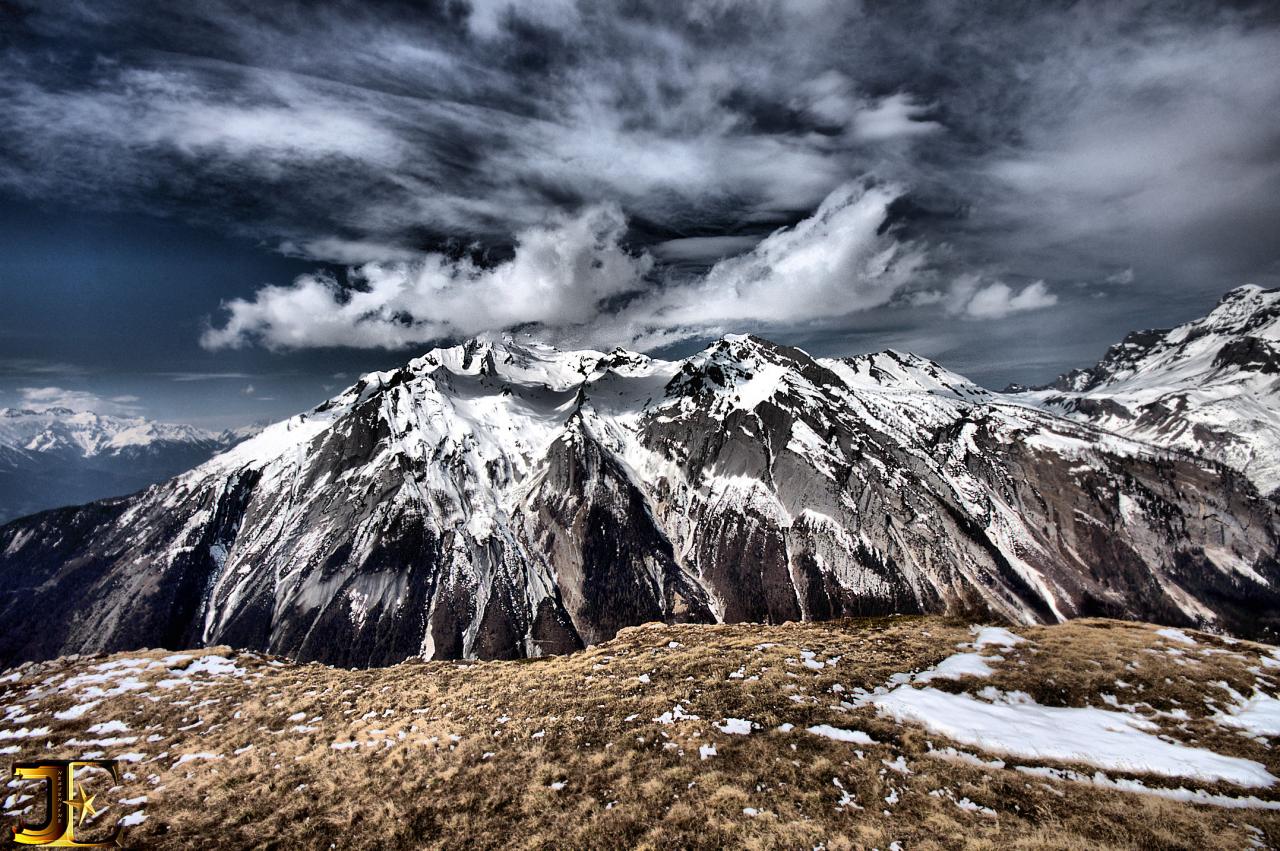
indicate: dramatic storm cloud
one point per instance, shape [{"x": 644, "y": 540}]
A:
[
  {"x": 560, "y": 274},
  {"x": 567, "y": 279},
  {"x": 840, "y": 175}
]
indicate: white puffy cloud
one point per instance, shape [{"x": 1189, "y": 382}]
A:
[
  {"x": 44, "y": 398},
  {"x": 834, "y": 263},
  {"x": 893, "y": 117},
  {"x": 572, "y": 280},
  {"x": 559, "y": 275},
  {"x": 833, "y": 98},
  {"x": 971, "y": 297}
]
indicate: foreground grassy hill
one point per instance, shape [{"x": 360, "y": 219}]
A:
[{"x": 887, "y": 733}]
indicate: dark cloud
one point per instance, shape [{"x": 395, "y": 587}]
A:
[
  {"x": 370, "y": 124},
  {"x": 1026, "y": 160}
]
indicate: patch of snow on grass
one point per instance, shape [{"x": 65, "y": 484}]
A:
[
  {"x": 846, "y": 798},
  {"x": 963, "y": 803},
  {"x": 1094, "y": 736},
  {"x": 998, "y": 636},
  {"x": 213, "y": 665},
  {"x": 856, "y": 737},
  {"x": 957, "y": 666},
  {"x": 76, "y": 711},
  {"x": 736, "y": 726},
  {"x": 1258, "y": 715},
  {"x": 102, "y": 743},
  {"x": 1194, "y": 796},
  {"x": 24, "y": 733},
  {"x": 807, "y": 657},
  {"x": 970, "y": 806},
  {"x": 1175, "y": 635},
  {"x": 899, "y": 765},
  {"x": 676, "y": 713}
]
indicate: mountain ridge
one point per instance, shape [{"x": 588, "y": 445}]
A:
[{"x": 498, "y": 500}]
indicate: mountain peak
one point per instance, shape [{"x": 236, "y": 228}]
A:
[
  {"x": 1247, "y": 291},
  {"x": 750, "y": 351},
  {"x": 895, "y": 370},
  {"x": 1209, "y": 386},
  {"x": 1249, "y": 309},
  {"x": 1246, "y": 311}
]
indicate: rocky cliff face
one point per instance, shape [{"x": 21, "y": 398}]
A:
[
  {"x": 496, "y": 500},
  {"x": 1211, "y": 387}
]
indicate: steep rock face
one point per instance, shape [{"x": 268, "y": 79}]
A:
[
  {"x": 1211, "y": 387},
  {"x": 495, "y": 500},
  {"x": 592, "y": 526}
]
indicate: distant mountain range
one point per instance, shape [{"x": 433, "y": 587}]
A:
[
  {"x": 56, "y": 456},
  {"x": 498, "y": 500}
]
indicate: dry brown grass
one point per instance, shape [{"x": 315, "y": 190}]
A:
[{"x": 630, "y": 782}]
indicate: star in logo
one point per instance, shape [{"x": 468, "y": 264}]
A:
[{"x": 83, "y": 803}]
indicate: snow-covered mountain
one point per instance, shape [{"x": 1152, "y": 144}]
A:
[
  {"x": 503, "y": 500},
  {"x": 1211, "y": 386},
  {"x": 57, "y": 456}
]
